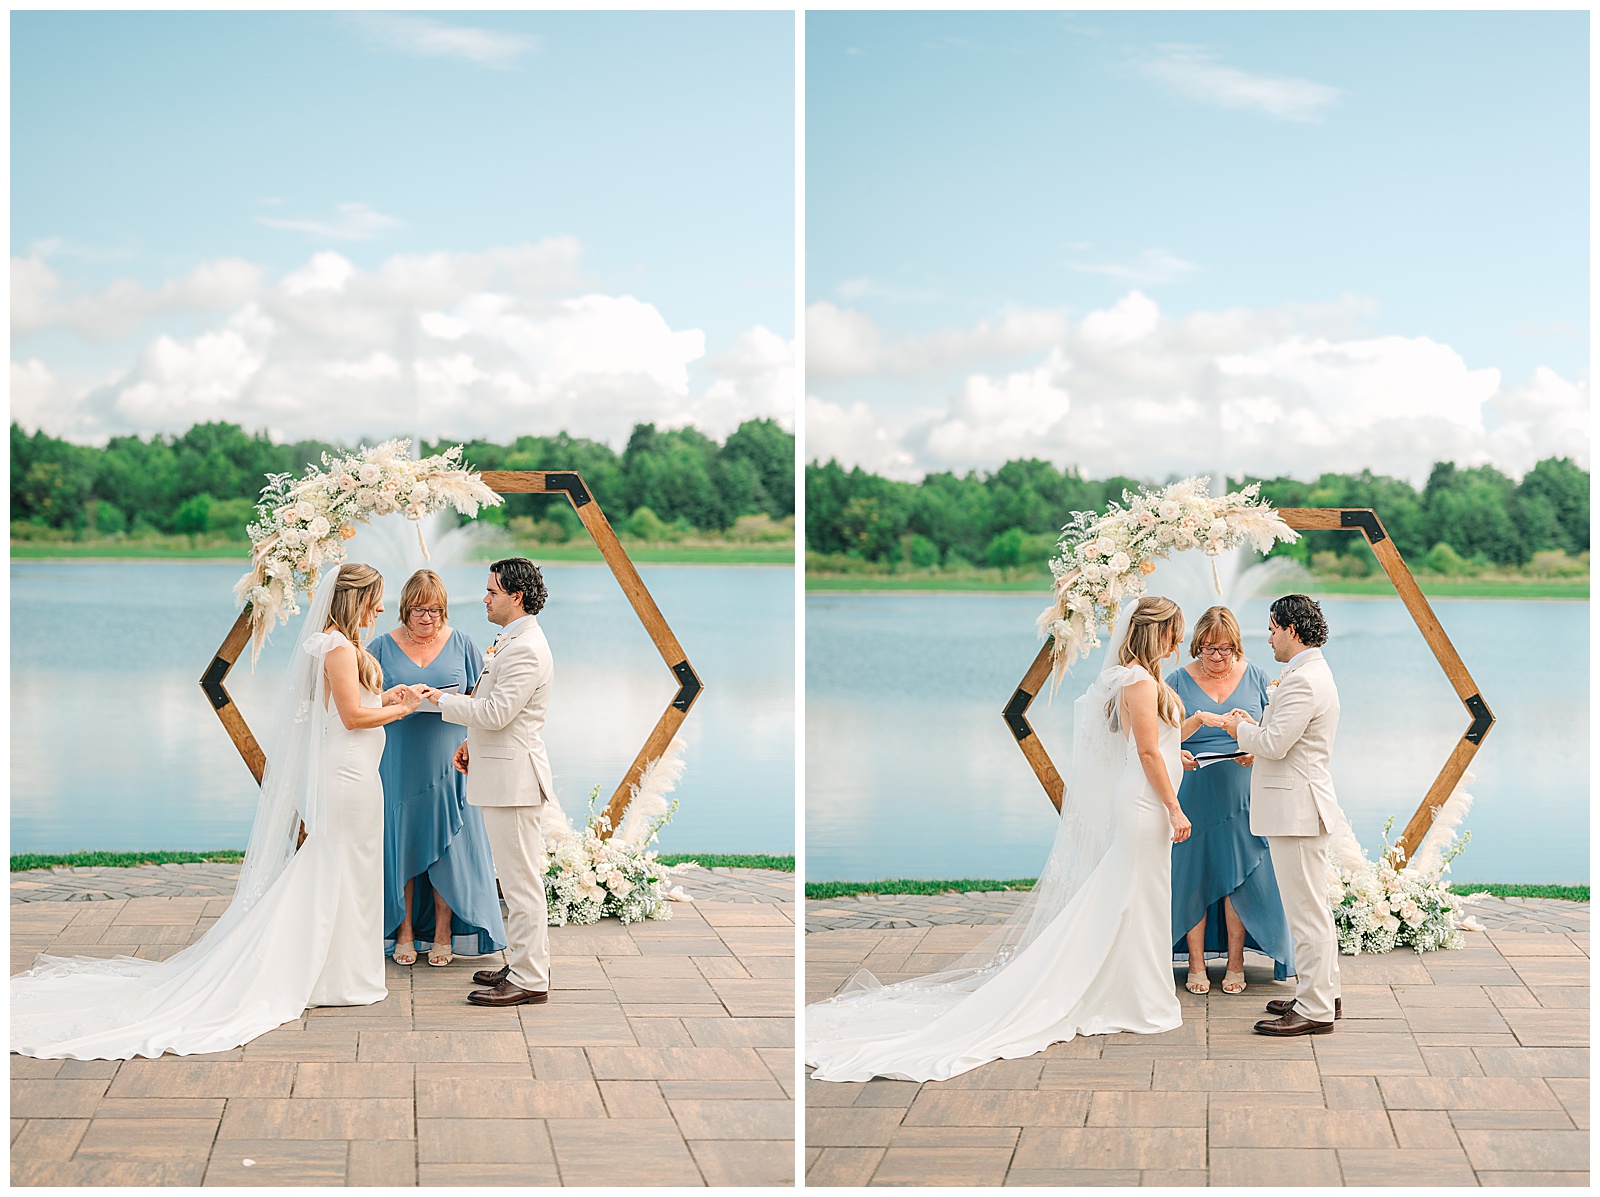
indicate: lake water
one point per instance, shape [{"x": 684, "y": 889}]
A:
[
  {"x": 910, "y": 771},
  {"x": 114, "y": 746}
]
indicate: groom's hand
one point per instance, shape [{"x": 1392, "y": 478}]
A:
[
  {"x": 1231, "y": 721},
  {"x": 459, "y": 760}
]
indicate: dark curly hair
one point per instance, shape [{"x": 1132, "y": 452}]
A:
[
  {"x": 518, "y": 575},
  {"x": 1299, "y": 614}
]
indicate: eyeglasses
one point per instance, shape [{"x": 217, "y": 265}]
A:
[
  {"x": 430, "y": 612},
  {"x": 1217, "y": 650}
]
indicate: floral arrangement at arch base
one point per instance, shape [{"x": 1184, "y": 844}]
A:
[
  {"x": 1392, "y": 902},
  {"x": 304, "y": 522},
  {"x": 1103, "y": 560},
  {"x": 588, "y": 876}
]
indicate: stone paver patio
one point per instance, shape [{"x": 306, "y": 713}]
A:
[
  {"x": 1449, "y": 1068},
  {"x": 665, "y": 1057}
]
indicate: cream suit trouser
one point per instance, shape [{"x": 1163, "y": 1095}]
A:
[
  {"x": 1301, "y": 863},
  {"x": 516, "y": 840}
]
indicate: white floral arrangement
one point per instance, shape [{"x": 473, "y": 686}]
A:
[
  {"x": 1388, "y": 903},
  {"x": 303, "y": 523},
  {"x": 1103, "y": 560},
  {"x": 592, "y": 873}
]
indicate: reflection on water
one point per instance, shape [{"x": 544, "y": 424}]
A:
[
  {"x": 910, "y": 771},
  {"x": 114, "y": 746}
]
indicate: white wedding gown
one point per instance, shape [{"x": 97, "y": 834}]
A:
[
  {"x": 313, "y": 938},
  {"x": 1102, "y": 964}
]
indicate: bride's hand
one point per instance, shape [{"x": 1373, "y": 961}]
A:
[
  {"x": 393, "y": 695},
  {"x": 1180, "y": 826},
  {"x": 409, "y": 697}
]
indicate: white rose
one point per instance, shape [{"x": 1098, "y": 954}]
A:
[
  {"x": 292, "y": 537},
  {"x": 1119, "y": 562},
  {"x": 419, "y": 493},
  {"x": 1218, "y": 529},
  {"x": 1146, "y": 520},
  {"x": 1091, "y": 549},
  {"x": 1391, "y": 923},
  {"x": 305, "y": 509},
  {"x": 1105, "y": 546},
  {"x": 366, "y": 497},
  {"x": 414, "y": 512},
  {"x": 371, "y": 472},
  {"x": 1169, "y": 509},
  {"x": 1184, "y": 541},
  {"x": 319, "y": 527},
  {"x": 346, "y": 482},
  {"x": 290, "y": 514},
  {"x": 1166, "y": 534},
  {"x": 1381, "y": 908}
]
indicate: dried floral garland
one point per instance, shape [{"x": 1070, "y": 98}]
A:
[
  {"x": 1103, "y": 559},
  {"x": 303, "y": 523}
]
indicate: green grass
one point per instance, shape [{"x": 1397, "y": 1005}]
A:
[
  {"x": 1433, "y": 587},
  {"x": 713, "y": 860},
  {"x": 126, "y": 860},
  {"x": 121, "y": 860},
  {"x": 1570, "y": 893},
  {"x": 826, "y": 890},
  {"x": 644, "y": 554}
]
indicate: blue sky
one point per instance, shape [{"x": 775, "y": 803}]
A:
[
  {"x": 1404, "y": 186},
  {"x": 650, "y": 155}
]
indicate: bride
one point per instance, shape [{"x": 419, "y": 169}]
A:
[
  {"x": 305, "y": 927},
  {"x": 1090, "y": 952}
]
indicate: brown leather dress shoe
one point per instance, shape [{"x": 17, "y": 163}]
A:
[
  {"x": 1282, "y": 1006},
  {"x": 506, "y": 994},
  {"x": 1292, "y": 1024},
  {"x": 493, "y": 976}
]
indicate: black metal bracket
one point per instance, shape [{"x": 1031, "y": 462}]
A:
[
  {"x": 1482, "y": 719},
  {"x": 211, "y": 682},
  {"x": 1016, "y": 714},
  {"x": 569, "y": 482},
  {"x": 1364, "y": 518},
  {"x": 689, "y": 686}
]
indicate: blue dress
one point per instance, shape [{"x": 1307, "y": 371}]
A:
[
  {"x": 1221, "y": 858},
  {"x": 429, "y": 831}
]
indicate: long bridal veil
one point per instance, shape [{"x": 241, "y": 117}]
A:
[
  {"x": 212, "y": 995},
  {"x": 1083, "y": 834}
]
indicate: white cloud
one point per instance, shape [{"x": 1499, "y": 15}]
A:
[
  {"x": 855, "y": 436},
  {"x": 496, "y": 343},
  {"x": 353, "y": 222},
  {"x": 425, "y": 37},
  {"x": 1294, "y": 390},
  {"x": 1196, "y": 73},
  {"x": 39, "y": 300},
  {"x": 1153, "y": 268},
  {"x": 839, "y": 342}
]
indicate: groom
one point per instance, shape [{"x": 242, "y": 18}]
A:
[
  {"x": 1292, "y": 803},
  {"x": 508, "y": 774}
]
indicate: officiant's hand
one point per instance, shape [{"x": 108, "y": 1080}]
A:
[
  {"x": 459, "y": 760},
  {"x": 1246, "y": 760},
  {"x": 1189, "y": 763}
]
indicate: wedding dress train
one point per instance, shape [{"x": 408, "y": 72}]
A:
[
  {"x": 1100, "y": 963},
  {"x": 305, "y": 927}
]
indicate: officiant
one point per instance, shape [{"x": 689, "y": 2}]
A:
[{"x": 1224, "y": 892}]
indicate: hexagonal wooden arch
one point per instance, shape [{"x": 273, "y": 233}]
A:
[
  {"x": 508, "y": 482},
  {"x": 1320, "y": 519}
]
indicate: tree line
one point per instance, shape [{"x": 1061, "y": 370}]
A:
[
  {"x": 1013, "y": 515},
  {"x": 207, "y": 480}
]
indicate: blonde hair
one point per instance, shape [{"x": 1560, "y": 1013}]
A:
[
  {"x": 1154, "y": 630},
  {"x": 357, "y": 591},
  {"x": 1219, "y": 620},
  {"x": 424, "y": 586}
]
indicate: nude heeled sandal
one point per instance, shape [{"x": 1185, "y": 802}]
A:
[{"x": 1233, "y": 982}]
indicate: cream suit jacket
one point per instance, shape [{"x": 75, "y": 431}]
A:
[
  {"x": 1291, "y": 788},
  {"x": 504, "y": 715}
]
